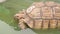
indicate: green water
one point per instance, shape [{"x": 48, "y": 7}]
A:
[{"x": 9, "y": 8}]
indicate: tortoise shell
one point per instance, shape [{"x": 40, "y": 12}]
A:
[
  {"x": 41, "y": 10},
  {"x": 42, "y": 15}
]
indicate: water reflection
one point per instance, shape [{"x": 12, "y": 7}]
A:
[{"x": 6, "y": 29}]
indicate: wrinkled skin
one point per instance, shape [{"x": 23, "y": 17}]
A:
[
  {"x": 20, "y": 17},
  {"x": 24, "y": 20}
]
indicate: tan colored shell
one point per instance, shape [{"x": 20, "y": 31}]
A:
[
  {"x": 44, "y": 10},
  {"x": 41, "y": 15}
]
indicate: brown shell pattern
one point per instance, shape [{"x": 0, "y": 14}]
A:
[
  {"x": 47, "y": 10},
  {"x": 43, "y": 15}
]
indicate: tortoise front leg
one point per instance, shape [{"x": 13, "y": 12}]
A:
[{"x": 21, "y": 24}]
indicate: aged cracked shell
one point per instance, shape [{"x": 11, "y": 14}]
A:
[{"x": 40, "y": 15}]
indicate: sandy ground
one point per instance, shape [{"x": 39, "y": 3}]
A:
[{"x": 2, "y": 1}]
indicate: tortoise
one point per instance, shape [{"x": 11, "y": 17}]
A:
[{"x": 40, "y": 15}]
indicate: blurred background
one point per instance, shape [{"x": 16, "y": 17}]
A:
[{"x": 8, "y": 8}]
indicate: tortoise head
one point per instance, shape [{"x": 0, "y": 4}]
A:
[{"x": 20, "y": 15}]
